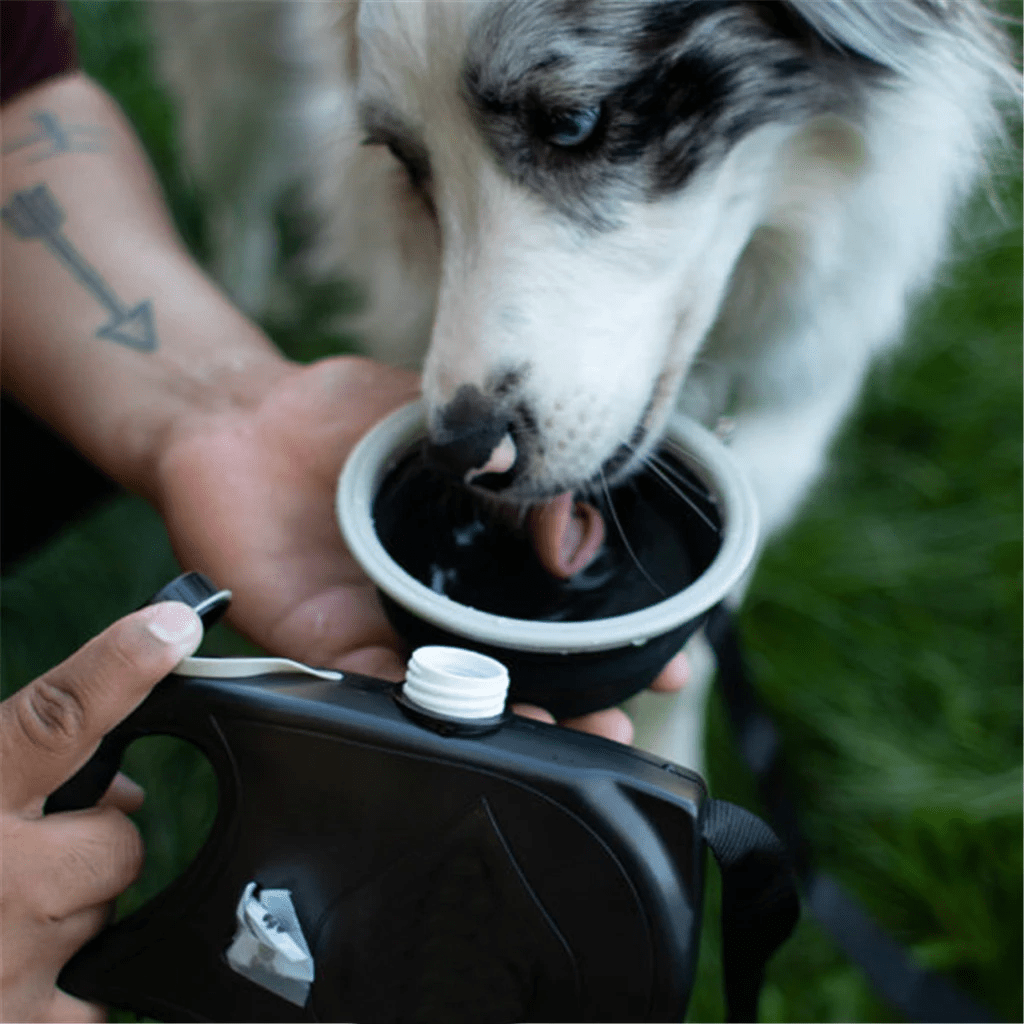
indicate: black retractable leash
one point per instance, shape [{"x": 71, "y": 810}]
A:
[
  {"x": 373, "y": 862},
  {"x": 918, "y": 994}
]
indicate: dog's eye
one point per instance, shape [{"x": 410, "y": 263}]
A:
[
  {"x": 417, "y": 167},
  {"x": 568, "y": 128},
  {"x": 412, "y": 158}
]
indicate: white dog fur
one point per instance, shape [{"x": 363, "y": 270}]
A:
[{"x": 745, "y": 271}]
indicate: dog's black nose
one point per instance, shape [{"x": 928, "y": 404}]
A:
[{"x": 471, "y": 439}]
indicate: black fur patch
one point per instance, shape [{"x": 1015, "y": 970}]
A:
[{"x": 678, "y": 83}]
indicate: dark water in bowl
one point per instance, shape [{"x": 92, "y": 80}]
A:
[{"x": 460, "y": 543}]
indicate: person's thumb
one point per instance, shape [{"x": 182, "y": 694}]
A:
[{"x": 49, "y": 729}]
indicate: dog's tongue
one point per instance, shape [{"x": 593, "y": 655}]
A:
[{"x": 567, "y": 535}]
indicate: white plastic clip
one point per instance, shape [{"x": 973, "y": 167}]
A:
[
  {"x": 243, "y": 668},
  {"x": 269, "y": 948}
]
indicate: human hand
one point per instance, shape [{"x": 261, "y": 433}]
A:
[
  {"x": 247, "y": 493},
  {"x": 60, "y": 871}
]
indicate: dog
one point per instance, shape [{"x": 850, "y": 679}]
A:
[{"x": 581, "y": 215}]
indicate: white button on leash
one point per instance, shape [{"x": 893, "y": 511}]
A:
[
  {"x": 269, "y": 948},
  {"x": 269, "y": 932}
]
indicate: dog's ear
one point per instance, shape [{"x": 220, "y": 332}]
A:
[
  {"x": 886, "y": 35},
  {"x": 879, "y": 32}
]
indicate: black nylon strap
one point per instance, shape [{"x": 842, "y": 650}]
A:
[
  {"x": 760, "y": 906},
  {"x": 918, "y": 994}
]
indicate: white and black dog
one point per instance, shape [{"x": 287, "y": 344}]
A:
[{"x": 579, "y": 215}]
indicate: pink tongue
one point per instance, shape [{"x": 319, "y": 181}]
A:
[{"x": 566, "y": 535}]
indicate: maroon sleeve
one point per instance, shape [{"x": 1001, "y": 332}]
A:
[{"x": 37, "y": 41}]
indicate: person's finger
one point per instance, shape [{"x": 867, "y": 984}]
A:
[
  {"x": 124, "y": 794},
  {"x": 65, "y": 1009},
  {"x": 381, "y": 662},
  {"x": 49, "y": 729},
  {"x": 327, "y": 629},
  {"x": 611, "y": 723},
  {"x": 674, "y": 676},
  {"x": 64, "y": 938},
  {"x": 91, "y": 856},
  {"x": 534, "y": 712}
]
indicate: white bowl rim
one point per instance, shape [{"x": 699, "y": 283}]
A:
[{"x": 697, "y": 446}]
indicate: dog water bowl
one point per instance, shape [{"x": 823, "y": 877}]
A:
[{"x": 455, "y": 569}]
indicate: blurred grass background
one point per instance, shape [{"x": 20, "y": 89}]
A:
[{"x": 884, "y": 629}]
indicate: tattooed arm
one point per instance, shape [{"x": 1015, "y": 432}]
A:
[{"x": 110, "y": 331}]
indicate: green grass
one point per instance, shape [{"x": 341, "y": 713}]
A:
[{"x": 884, "y": 628}]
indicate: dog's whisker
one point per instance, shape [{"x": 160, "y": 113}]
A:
[
  {"x": 673, "y": 487},
  {"x": 675, "y": 481},
  {"x": 625, "y": 540},
  {"x": 679, "y": 477},
  {"x": 673, "y": 474},
  {"x": 652, "y": 456}
]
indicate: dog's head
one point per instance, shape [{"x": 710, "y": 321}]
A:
[{"x": 593, "y": 171}]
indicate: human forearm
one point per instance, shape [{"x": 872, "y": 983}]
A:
[{"x": 111, "y": 333}]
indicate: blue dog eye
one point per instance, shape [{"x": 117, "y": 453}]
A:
[{"x": 567, "y": 128}]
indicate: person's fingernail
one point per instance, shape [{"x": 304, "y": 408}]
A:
[{"x": 173, "y": 622}]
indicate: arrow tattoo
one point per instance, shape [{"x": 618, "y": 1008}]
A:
[
  {"x": 72, "y": 138},
  {"x": 35, "y": 214}
]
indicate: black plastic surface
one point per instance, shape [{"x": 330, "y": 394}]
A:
[{"x": 530, "y": 873}]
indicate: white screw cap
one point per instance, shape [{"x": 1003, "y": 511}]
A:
[{"x": 456, "y": 683}]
